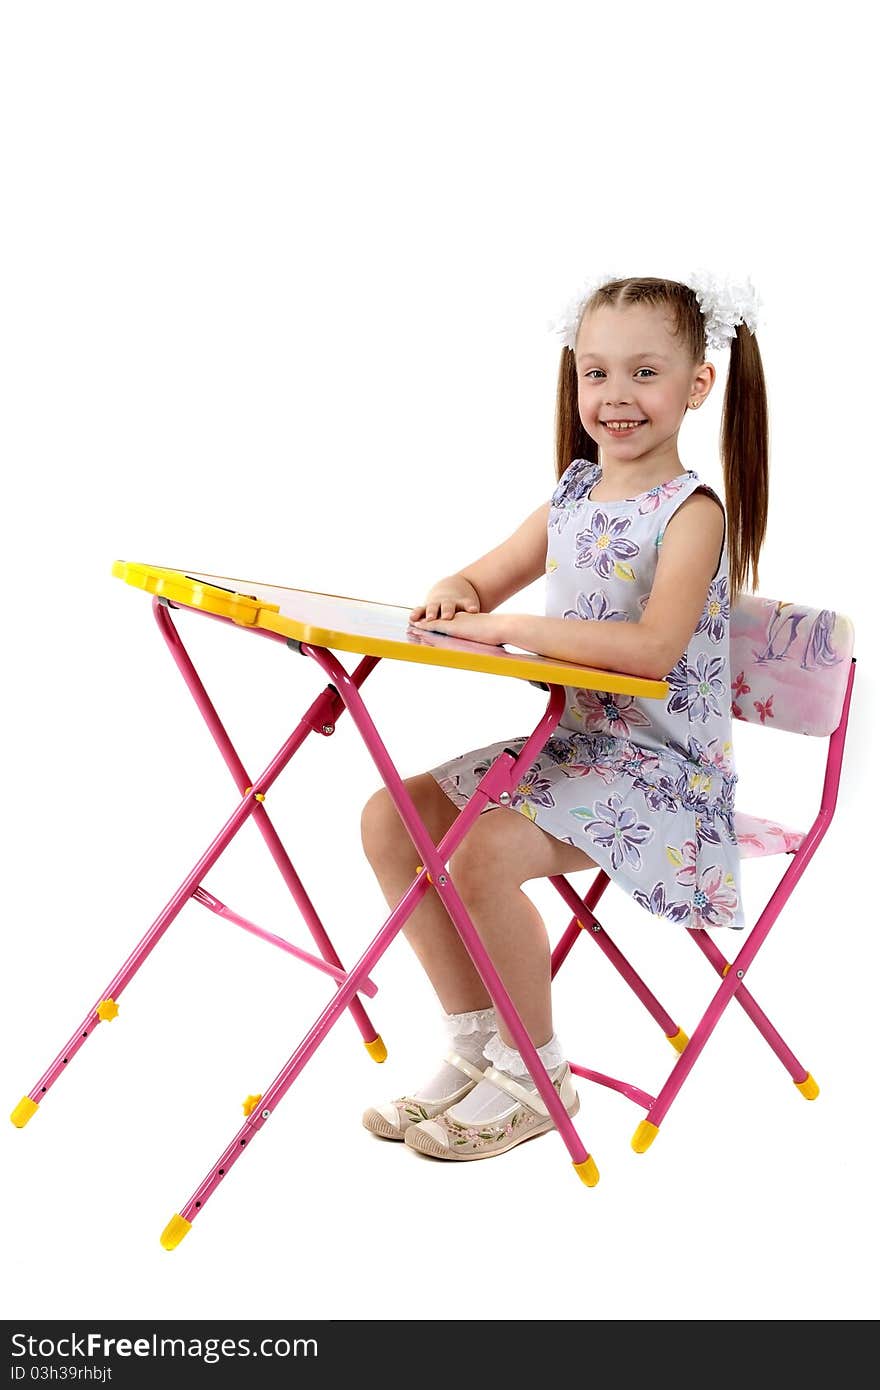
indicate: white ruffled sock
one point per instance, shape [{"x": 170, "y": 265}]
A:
[
  {"x": 487, "y": 1102},
  {"x": 467, "y": 1034}
]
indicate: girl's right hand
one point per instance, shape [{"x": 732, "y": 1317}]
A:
[{"x": 446, "y": 598}]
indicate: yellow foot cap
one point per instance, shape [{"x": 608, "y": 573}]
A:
[
  {"x": 23, "y": 1111},
  {"x": 587, "y": 1171},
  {"x": 174, "y": 1232},
  {"x": 808, "y": 1087},
  {"x": 377, "y": 1049},
  {"x": 644, "y": 1136},
  {"x": 679, "y": 1040}
]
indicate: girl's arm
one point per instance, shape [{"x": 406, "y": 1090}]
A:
[
  {"x": 496, "y": 576},
  {"x": 650, "y": 647}
]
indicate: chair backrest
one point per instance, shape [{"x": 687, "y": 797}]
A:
[{"x": 789, "y": 665}]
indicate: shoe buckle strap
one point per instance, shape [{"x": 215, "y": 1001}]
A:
[
  {"x": 530, "y": 1099},
  {"x": 475, "y": 1073}
]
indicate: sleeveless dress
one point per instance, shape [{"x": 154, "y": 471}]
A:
[{"x": 645, "y": 787}]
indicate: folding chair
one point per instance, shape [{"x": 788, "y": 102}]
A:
[
  {"x": 316, "y": 625},
  {"x": 792, "y": 670}
]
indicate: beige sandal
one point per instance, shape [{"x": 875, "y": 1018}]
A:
[
  {"x": 442, "y": 1136},
  {"x": 392, "y": 1121}
]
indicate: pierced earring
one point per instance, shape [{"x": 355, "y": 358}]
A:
[{"x": 695, "y": 405}]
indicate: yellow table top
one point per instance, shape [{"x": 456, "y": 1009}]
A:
[{"x": 359, "y": 625}]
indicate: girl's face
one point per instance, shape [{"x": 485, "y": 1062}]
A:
[{"x": 633, "y": 372}]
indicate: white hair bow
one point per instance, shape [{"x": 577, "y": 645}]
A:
[{"x": 724, "y": 304}]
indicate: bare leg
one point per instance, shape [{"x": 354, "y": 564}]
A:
[
  {"x": 429, "y": 930},
  {"x": 502, "y": 850}
]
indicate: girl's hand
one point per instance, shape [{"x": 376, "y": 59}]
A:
[
  {"x": 476, "y": 627},
  {"x": 446, "y": 598}
]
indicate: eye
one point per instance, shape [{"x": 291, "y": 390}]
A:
[{"x": 599, "y": 369}]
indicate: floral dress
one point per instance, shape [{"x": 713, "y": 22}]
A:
[{"x": 645, "y": 787}]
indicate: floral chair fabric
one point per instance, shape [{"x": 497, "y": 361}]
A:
[
  {"x": 789, "y": 665},
  {"x": 789, "y": 669}
]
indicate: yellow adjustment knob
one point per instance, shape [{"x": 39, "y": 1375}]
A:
[
  {"x": 107, "y": 1010},
  {"x": 250, "y": 1105}
]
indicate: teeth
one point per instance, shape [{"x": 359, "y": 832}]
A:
[{"x": 630, "y": 425}]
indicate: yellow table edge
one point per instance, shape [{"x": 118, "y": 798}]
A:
[{"x": 248, "y": 610}]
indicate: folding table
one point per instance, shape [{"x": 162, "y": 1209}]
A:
[{"x": 318, "y": 625}]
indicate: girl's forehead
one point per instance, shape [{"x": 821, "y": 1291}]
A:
[{"x": 639, "y": 326}]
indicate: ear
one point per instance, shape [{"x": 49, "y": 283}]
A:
[{"x": 702, "y": 381}]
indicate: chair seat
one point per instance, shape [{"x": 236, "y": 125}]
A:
[{"x": 758, "y": 837}]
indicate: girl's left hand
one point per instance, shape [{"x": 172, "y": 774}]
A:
[{"x": 476, "y": 627}]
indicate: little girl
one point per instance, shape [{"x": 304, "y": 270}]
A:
[{"x": 643, "y": 563}]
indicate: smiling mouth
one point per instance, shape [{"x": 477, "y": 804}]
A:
[{"x": 622, "y": 427}]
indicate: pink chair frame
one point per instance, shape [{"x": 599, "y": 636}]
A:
[{"x": 801, "y": 658}]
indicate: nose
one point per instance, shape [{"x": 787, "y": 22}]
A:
[{"x": 611, "y": 396}]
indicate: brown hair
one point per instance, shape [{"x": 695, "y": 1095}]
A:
[{"x": 745, "y": 432}]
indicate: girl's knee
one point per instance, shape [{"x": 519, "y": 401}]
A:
[
  {"x": 380, "y": 822},
  {"x": 383, "y": 833}
]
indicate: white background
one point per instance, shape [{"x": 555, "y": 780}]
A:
[{"x": 276, "y": 282}]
